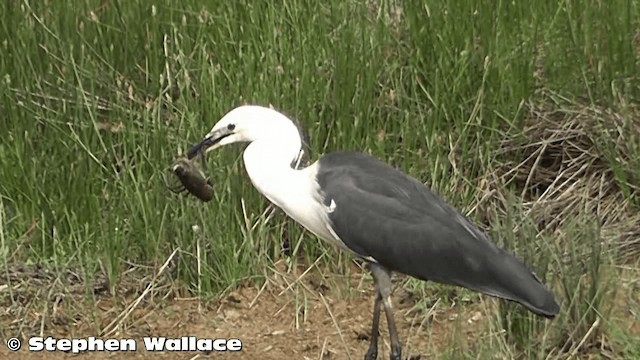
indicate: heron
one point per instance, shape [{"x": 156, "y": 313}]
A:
[{"x": 387, "y": 219}]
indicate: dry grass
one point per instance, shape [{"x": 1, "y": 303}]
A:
[{"x": 571, "y": 159}]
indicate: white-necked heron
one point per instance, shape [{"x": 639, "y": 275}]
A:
[{"x": 377, "y": 213}]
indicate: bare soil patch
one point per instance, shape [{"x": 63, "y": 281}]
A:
[{"x": 307, "y": 321}]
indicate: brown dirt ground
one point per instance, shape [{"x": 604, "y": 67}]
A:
[
  {"x": 289, "y": 317},
  {"x": 306, "y": 321}
]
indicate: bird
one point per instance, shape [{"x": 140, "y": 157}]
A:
[{"x": 378, "y": 214}]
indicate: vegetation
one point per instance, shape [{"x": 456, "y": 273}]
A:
[{"x": 524, "y": 115}]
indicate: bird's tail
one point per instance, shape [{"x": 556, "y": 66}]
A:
[{"x": 513, "y": 280}]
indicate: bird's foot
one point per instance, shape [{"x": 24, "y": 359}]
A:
[
  {"x": 396, "y": 353},
  {"x": 372, "y": 353}
]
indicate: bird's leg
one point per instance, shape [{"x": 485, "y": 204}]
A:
[
  {"x": 396, "y": 349},
  {"x": 372, "y": 353},
  {"x": 382, "y": 277}
]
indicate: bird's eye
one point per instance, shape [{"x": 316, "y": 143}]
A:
[{"x": 230, "y": 127}]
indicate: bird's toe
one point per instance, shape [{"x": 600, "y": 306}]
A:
[
  {"x": 372, "y": 354},
  {"x": 396, "y": 353}
]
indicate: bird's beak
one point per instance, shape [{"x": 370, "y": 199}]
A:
[{"x": 209, "y": 142}]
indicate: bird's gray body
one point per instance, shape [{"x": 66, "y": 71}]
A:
[{"x": 387, "y": 216}]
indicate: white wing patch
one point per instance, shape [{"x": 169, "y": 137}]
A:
[{"x": 332, "y": 206}]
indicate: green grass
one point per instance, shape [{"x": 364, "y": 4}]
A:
[{"x": 95, "y": 105}]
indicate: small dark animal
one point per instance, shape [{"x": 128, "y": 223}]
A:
[{"x": 191, "y": 179}]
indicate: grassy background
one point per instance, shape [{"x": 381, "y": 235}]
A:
[{"x": 97, "y": 97}]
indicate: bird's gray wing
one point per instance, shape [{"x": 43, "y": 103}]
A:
[{"x": 384, "y": 214}]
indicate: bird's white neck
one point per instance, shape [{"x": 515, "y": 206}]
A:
[{"x": 268, "y": 164}]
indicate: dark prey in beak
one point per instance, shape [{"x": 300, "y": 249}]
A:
[{"x": 192, "y": 179}]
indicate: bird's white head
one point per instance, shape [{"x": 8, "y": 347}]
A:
[{"x": 248, "y": 123}]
